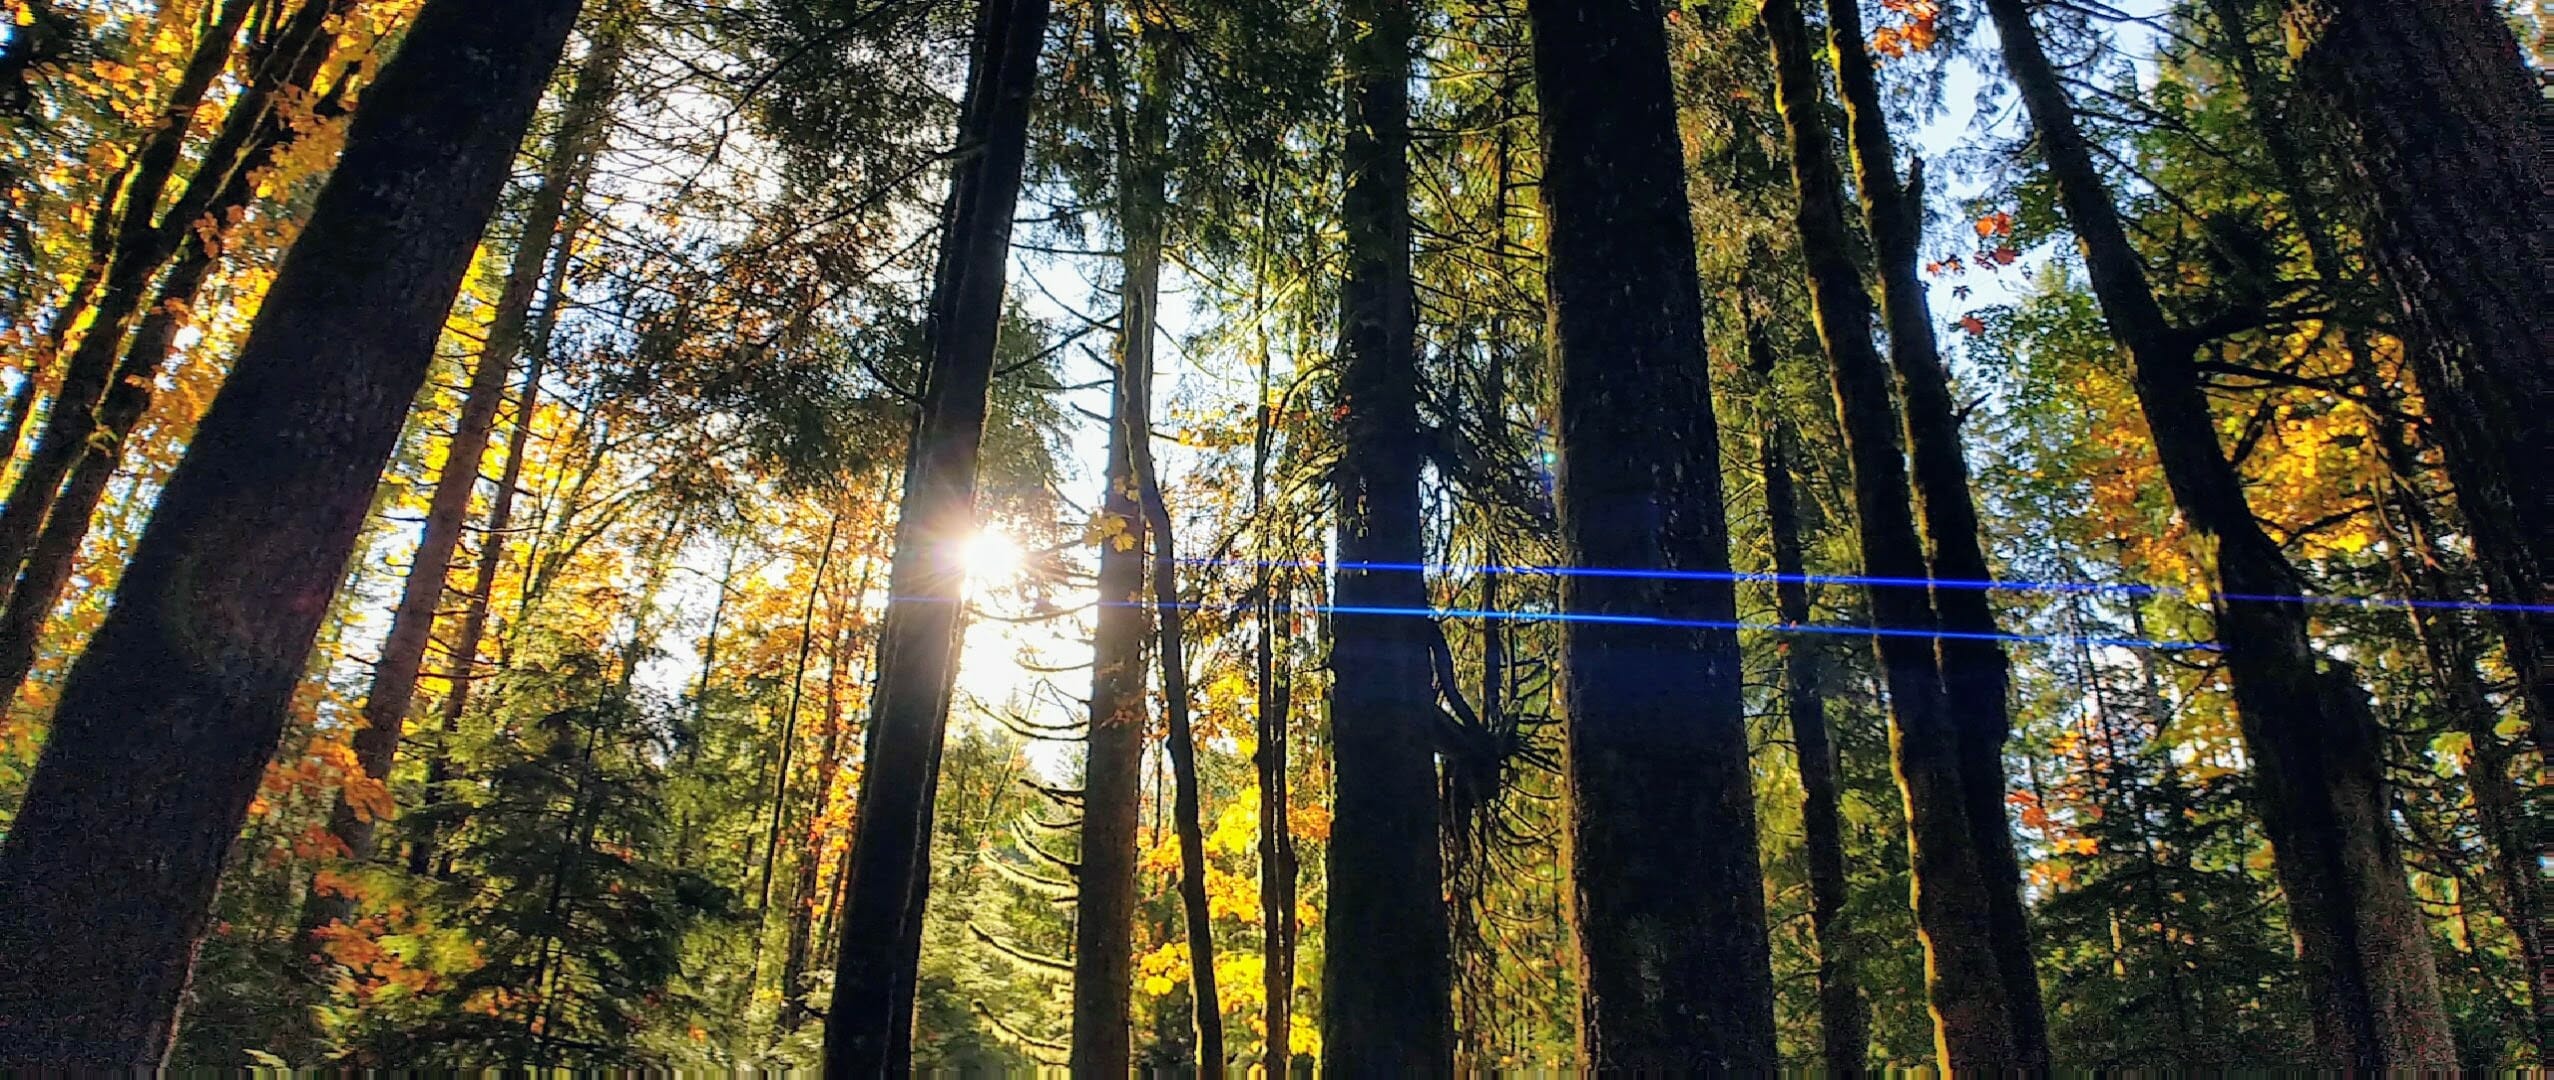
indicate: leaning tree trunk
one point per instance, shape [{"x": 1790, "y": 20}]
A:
[
  {"x": 1386, "y": 994},
  {"x": 1670, "y": 902},
  {"x": 2319, "y": 774},
  {"x": 2444, "y": 129},
  {"x": 1844, "y": 1020},
  {"x": 461, "y": 657},
  {"x": 1975, "y": 676},
  {"x": 871, "y": 1021},
  {"x": 412, "y": 622},
  {"x": 1973, "y": 1023},
  {"x": 166, "y": 723}
]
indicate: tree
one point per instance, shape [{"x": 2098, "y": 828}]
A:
[
  {"x": 1671, "y": 909},
  {"x": 403, "y": 653},
  {"x": 108, "y": 873},
  {"x": 2371, "y": 985},
  {"x": 868, "y": 1029},
  {"x": 2439, "y": 121},
  {"x": 1385, "y": 973}
]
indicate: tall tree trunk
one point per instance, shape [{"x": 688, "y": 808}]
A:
[
  {"x": 2371, "y": 985},
  {"x": 1113, "y": 772},
  {"x": 1112, "y": 778},
  {"x": 412, "y": 622},
  {"x": 871, "y": 1020},
  {"x": 1844, "y": 1020},
  {"x": 1186, "y": 812},
  {"x": 2444, "y": 127},
  {"x": 789, "y": 723},
  {"x": 2402, "y": 506},
  {"x": 1386, "y": 994},
  {"x": 1273, "y": 698},
  {"x": 1973, "y": 1016},
  {"x": 462, "y": 657},
  {"x": 829, "y": 761},
  {"x": 1670, "y": 902},
  {"x": 166, "y": 723},
  {"x": 260, "y": 133},
  {"x": 1975, "y": 676}
]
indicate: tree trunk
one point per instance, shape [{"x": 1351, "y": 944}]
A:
[
  {"x": 1169, "y": 634},
  {"x": 1975, "y": 675},
  {"x": 462, "y": 657},
  {"x": 1112, "y": 778},
  {"x": 1670, "y": 903},
  {"x": 1844, "y": 1021},
  {"x": 2443, "y": 128},
  {"x": 166, "y": 723},
  {"x": 1273, "y": 698},
  {"x": 412, "y": 622},
  {"x": 1973, "y": 1014},
  {"x": 1386, "y": 994},
  {"x": 802, "y": 907},
  {"x": 872, "y": 1018},
  {"x": 1113, "y": 772},
  {"x": 2371, "y": 985}
]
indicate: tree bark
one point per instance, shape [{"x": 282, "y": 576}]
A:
[
  {"x": 412, "y": 622},
  {"x": 871, "y": 1021},
  {"x": 1973, "y": 1016},
  {"x": 1113, "y": 773},
  {"x": 166, "y": 723},
  {"x": 1112, "y": 778},
  {"x": 2443, "y": 128},
  {"x": 462, "y": 657},
  {"x": 1844, "y": 1020},
  {"x": 2371, "y": 985},
  {"x": 802, "y": 907},
  {"x": 1169, "y": 635},
  {"x": 1274, "y": 700},
  {"x": 1975, "y": 675},
  {"x": 1670, "y": 903},
  {"x": 1386, "y": 971}
]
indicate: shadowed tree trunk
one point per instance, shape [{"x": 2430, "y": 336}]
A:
[
  {"x": 1181, "y": 743},
  {"x": 1844, "y": 1021},
  {"x": 1386, "y": 995},
  {"x": 868, "y": 1030},
  {"x": 829, "y": 762},
  {"x": 1113, "y": 775},
  {"x": 1273, "y": 692},
  {"x": 412, "y": 622},
  {"x": 1975, "y": 676},
  {"x": 1670, "y": 903},
  {"x": 166, "y": 723},
  {"x": 2443, "y": 128},
  {"x": 1973, "y": 1023},
  {"x": 2371, "y": 984}
]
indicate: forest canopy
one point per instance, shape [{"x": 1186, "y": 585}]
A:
[{"x": 1379, "y": 536}]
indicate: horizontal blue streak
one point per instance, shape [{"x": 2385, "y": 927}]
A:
[
  {"x": 2123, "y": 589},
  {"x": 1663, "y": 622}
]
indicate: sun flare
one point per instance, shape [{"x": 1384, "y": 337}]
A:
[{"x": 992, "y": 558}]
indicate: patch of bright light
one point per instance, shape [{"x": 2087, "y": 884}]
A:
[{"x": 993, "y": 558}]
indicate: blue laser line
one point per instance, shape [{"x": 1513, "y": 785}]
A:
[
  {"x": 1666, "y": 623},
  {"x": 1867, "y": 581}
]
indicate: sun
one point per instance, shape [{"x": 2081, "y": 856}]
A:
[{"x": 991, "y": 557}]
